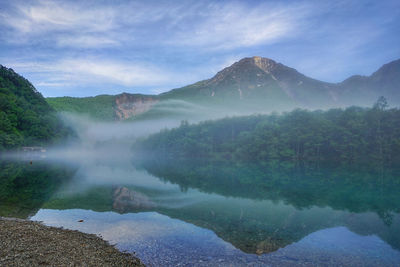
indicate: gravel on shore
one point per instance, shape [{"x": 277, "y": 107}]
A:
[{"x": 28, "y": 243}]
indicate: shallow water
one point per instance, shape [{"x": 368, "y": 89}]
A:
[
  {"x": 214, "y": 214},
  {"x": 162, "y": 241}
]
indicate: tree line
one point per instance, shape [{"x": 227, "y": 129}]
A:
[{"x": 351, "y": 135}]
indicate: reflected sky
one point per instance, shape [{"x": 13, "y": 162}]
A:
[{"x": 162, "y": 241}]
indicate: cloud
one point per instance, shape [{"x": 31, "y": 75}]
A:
[
  {"x": 66, "y": 24},
  {"x": 86, "y": 41},
  {"x": 238, "y": 25},
  {"x": 207, "y": 24},
  {"x": 50, "y": 84},
  {"x": 45, "y": 16},
  {"x": 121, "y": 73},
  {"x": 96, "y": 71}
]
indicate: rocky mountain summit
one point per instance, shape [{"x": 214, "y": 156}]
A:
[{"x": 268, "y": 75}]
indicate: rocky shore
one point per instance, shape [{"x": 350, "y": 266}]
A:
[{"x": 27, "y": 243}]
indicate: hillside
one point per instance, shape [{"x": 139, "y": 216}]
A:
[
  {"x": 353, "y": 135},
  {"x": 100, "y": 106},
  {"x": 104, "y": 107},
  {"x": 251, "y": 85},
  {"x": 25, "y": 116}
]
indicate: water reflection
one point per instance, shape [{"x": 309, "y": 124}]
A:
[
  {"x": 352, "y": 188},
  {"x": 161, "y": 241},
  {"x": 258, "y": 209},
  {"x": 25, "y": 185},
  {"x": 251, "y": 210}
]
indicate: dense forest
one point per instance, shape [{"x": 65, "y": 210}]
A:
[
  {"x": 25, "y": 116},
  {"x": 351, "y": 135}
]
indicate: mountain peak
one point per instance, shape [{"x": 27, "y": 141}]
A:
[
  {"x": 243, "y": 67},
  {"x": 263, "y": 63},
  {"x": 266, "y": 64}
]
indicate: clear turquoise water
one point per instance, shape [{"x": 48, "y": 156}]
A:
[{"x": 212, "y": 214}]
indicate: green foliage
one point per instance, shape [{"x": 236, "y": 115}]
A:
[
  {"x": 25, "y": 187},
  {"x": 99, "y": 107},
  {"x": 381, "y": 103},
  {"x": 25, "y": 117},
  {"x": 353, "y": 135}
]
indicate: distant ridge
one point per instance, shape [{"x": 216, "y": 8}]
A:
[{"x": 256, "y": 84}]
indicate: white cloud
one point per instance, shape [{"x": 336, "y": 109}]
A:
[
  {"x": 47, "y": 16},
  {"x": 238, "y": 25},
  {"x": 96, "y": 71},
  {"x": 65, "y": 24},
  {"x": 217, "y": 26},
  {"x": 50, "y": 84},
  {"x": 86, "y": 41},
  {"x": 116, "y": 72}
]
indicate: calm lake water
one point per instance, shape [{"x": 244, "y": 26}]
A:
[{"x": 214, "y": 214}]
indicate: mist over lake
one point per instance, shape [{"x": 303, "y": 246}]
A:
[{"x": 202, "y": 211}]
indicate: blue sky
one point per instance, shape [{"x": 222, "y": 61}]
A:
[{"x": 85, "y": 48}]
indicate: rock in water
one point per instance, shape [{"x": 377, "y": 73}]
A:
[{"x": 127, "y": 200}]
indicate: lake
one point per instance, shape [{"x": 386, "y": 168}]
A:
[{"x": 212, "y": 213}]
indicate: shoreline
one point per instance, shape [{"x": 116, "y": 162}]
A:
[{"x": 29, "y": 243}]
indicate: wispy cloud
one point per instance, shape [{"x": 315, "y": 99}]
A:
[
  {"x": 45, "y": 16},
  {"x": 207, "y": 25},
  {"x": 86, "y": 41},
  {"x": 239, "y": 25},
  {"x": 127, "y": 74},
  {"x": 63, "y": 23},
  {"x": 82, "y": 71}
]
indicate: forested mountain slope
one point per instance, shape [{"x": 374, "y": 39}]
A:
[
  {"x": 25, "y": 116},
  {"x": 352, "y": 135}
]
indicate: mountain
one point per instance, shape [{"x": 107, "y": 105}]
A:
[
  {"x": 245, "y": 80},
  {"x": 257, "y": 77},
  {"x": 25, "y": 116},
  {"x": 358, "y": 90},
  {"x": 251, "y": 85}
]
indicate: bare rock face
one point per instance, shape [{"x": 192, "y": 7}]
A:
[
  {"x": 129, "y": 105},
  {"x": 127, "y": 200},
  {"x": 263, "y": 63}
]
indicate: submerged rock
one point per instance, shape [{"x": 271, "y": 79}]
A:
[{"x": 126, "y": 200}]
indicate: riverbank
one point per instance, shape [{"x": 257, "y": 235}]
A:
[{"x": 27, "y": 243}]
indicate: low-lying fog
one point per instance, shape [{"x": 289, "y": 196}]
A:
[
  {"x": 113, "y": 140},
  {"x": 102, "y": 155},
  {"x": 102, "y": 150}
]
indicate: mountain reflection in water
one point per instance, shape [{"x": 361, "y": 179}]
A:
[{"x": 257, "y": 209}]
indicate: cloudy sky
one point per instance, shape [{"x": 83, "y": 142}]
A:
[{"x": 84, "y": 48}]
